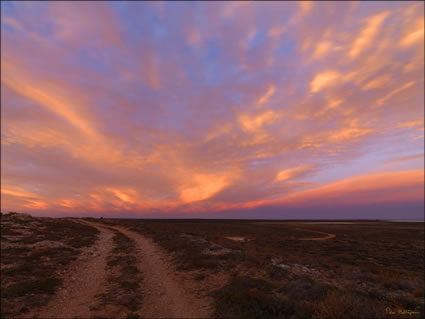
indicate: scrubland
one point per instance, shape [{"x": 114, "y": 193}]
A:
[
  {"x": 34, "y": 255},
  {"x": 223, "y": 268},
  {"x": 368, "y": 270}
]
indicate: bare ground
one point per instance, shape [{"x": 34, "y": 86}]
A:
[
  {"x": 165, "y": 295},
  {"x": 82, "y": 282},
  {"x": 368, "y": 268}
]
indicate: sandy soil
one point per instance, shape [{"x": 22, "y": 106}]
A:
[
  {"x": 82, "y": 282},
  {"x": 165, "y": 295}
]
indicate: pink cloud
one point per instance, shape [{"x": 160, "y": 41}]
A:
[{"x": 142, "y": 107}]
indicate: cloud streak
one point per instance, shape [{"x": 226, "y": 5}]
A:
[{"x": 175, "y": 108}]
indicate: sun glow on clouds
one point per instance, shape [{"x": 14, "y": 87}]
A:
[
  {"x": 222, "y": 106},
  {"x": 202, "y": 187},
  {"x": 323, "y": 79},
  {"x": 266, "y": 96},
  {"x": 291, "y": 172},
  {"x": 254, "y": 123},
  {"x": 368, "y": 34},
  {"x": 386, "y": 187}
]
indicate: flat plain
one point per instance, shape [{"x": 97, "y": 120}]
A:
[{"x": 190, "y": 268}]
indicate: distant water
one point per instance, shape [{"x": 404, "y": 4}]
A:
[{"x": 408, "y": 220}]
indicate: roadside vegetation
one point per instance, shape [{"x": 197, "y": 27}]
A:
[
  {"x": 34, "y": 254},
  {"x": 369, "y": 270},
  {"x": 250, "y": 269}
]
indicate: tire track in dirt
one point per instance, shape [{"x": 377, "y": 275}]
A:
[
  {"x": 84, "y": 280},
  {"x": 164, "y": 295},
  {"x": 163, "y": 292},
  {"x": 327, "y": 235}
]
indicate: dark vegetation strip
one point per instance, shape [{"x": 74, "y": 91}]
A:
[
  {"x": 30, "y": 268},
  {"x": 247, "y": 297},
  {"x": 124, "y": 277}
]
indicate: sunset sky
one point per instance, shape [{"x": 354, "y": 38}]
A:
[{"x": 213, "y": 109}]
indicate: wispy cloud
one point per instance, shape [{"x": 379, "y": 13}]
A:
[{"x": 169, "y": 107}]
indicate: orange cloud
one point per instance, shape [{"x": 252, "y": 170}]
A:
[
  {"x": 203, "y": 186},
  {"x": 369, "y": 189},
  {"x": 96, "y": 118},
  {"x": 277, "y": 31},
  {"x": 267, "y": 95},
  {"x": 351, "y": 132},
  {"x": 322, "y": 49},
  {"x": 324, "y": 79},
  {"x": 394, "y": 92},
  {"x": 15, "y": 78},
  {"x": 127, "y": 196},
  {"x": 305, "y": 6},
  {"x": 292, "y": 172},
  {"x": 36, "y": 204},
  {"x": 377, "y": 83},
  {"x": 414, "y": 36},
  {"x": 409, "y": 124},
  {"x": 333, "y": 104},
  {"x": 17, "y": 191},
  {"x": 368, "y": 34},
  {"x": 68, "y": 203},
  {"x": 256, "y": 122},
  {"x": 14, "y": 196}
]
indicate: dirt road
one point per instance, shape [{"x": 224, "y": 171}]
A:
[
  {"x": 165, "y": 295},
  {"x": 82, "y": 282}
]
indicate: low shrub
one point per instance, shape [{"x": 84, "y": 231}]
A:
[
  {"x": 339, "y": 304},
  {"x": 40, "y": 286},
  {"x": 245, "y": 297}
]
